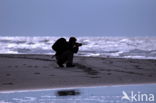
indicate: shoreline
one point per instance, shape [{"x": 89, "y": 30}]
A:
[
  {"x": 39, "y": 71},
  {"x": 75, "y": 87},
  {"x": 52, "y": 54}
]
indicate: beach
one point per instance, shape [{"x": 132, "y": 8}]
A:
[{"x": 39, "y": 71}]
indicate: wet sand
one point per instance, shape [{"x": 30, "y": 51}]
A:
[{"x": 32, "y": 71}]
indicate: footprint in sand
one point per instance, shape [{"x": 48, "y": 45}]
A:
[
  {"x": 16, "y": 66},
  {"x": 52, "y": 75},
  {"x": 137, "y": 67},
  {"x": 45, "y": 66},
  {"x": 92, "y": 73},
  {"x": 78, "y": 71},
  {"x": 36, "y": 66},
  {"x": 37, "y": 73},
  {"x": 9, "y": 66},
  {"x": 109, "y": 73},
  {"x": 95, "y": 77},
  {"x": 8, "y": 74},
  {"x": 9, "y": 83},
  {"x": 150, "y": 75},
  {"x": 131, "y": 61},
  {"x": 102, "y": 70},
  {"x": 30, "y": 66}
]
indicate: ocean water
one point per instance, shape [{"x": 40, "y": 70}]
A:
[
  {"x": 143, "y": 93},
  {"x": 122, "y": 47}
]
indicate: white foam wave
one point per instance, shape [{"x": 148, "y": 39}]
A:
[{"x": 138, "y": 47}]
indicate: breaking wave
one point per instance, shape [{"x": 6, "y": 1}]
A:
[{"x": 124, "y": 47}]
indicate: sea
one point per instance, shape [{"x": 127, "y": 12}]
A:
[
  {"x": 119, "y": 47},
  {"x": 116, "y": 47}
]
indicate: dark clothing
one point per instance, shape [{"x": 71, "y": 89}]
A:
[
  {"x": 65, "y": 57},
  {"x": 73, "y": 47},
  {"x": 65, "y": 51},
  {"x": 60, "y": 46}
]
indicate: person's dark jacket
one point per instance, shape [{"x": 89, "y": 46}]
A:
[{"x": 60, "y": 46}]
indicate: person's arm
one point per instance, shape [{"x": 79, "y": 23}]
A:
[{"x": 76, "y": 47}]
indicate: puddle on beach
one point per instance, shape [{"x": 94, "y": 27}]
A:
[{"x": 143, "y": 93}]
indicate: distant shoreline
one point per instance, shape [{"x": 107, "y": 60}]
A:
[
  {"x": 52, "y": 54},
  {"x": 98, "y": 86}
]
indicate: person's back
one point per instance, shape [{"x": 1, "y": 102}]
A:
[{"x": 60, "y": 46}]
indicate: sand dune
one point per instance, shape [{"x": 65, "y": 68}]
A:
[{"x": 23, "y": 71}]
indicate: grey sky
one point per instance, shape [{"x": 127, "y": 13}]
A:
[{"x": 77, "y": 17}]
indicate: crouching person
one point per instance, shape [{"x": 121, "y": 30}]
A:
[{"x": 65, "y": 51}]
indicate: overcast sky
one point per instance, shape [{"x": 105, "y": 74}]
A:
[{"x": 78, "y": 17}]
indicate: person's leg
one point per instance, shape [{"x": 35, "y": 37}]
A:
[
  {"x": 60, "y": 60},
  {"x": 69, "y": 59}
]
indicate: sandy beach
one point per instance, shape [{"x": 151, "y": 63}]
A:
[{"x": 32, "y": 71}]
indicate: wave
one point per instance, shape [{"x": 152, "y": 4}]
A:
[{"x": 124, "y": 47}]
